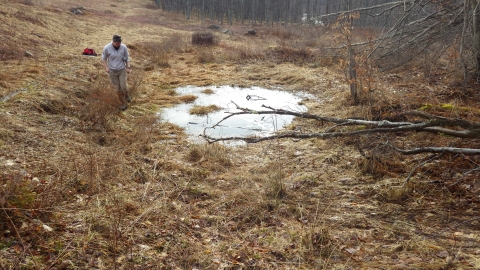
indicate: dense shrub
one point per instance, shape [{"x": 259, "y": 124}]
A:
[{"x": 204, "y": 39}]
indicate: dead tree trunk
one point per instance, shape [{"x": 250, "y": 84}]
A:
[
  {"x": 476, "y": 30},
  {"x": 352, "y": 75}
]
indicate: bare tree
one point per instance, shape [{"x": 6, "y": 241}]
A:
[
  {"x": 411, "y": 28},
  {"x": 475, "y": 7}
]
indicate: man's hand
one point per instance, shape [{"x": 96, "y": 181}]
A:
[
  {"x": 129, "y": 70},
  {"x": 105, "y": 64}
]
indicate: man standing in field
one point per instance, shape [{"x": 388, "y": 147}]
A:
[{"x": 117, "y": 64}]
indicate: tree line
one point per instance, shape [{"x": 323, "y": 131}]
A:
[
  {"x": 267, "y": 11},
  {"x": 405, "y": 29}
]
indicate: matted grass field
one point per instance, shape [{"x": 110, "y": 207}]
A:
[{"x": 84, "y": 186}]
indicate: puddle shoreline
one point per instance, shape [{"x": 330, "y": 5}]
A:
[{"x": 228, "y": 97}]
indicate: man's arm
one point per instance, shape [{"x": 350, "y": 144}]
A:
[
  {"x": 105, "y": 59},
  {"x": 105, "y": 64},
  {"x": 127, "y": 61}
]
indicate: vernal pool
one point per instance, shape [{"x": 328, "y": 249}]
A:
[{"x": 238, "y": 125}]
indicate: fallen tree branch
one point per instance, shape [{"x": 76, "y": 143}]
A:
[
  {"x": 457, "y": 122},
  {"x": 433, "y": 124},
  {"x": 323, "y": 135},
  {"x": 439, "y": 150}
]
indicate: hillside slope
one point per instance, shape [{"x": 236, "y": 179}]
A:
[{"x": 86, "y": 186}]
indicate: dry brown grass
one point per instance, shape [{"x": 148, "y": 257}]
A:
[
  {"x": 208, "y": 91},
  {"x": 278, "y": 45},
  {"x": 188, "y": 98},
  {"x": 204, "y": 110},
  {"x": 215, "y": 154},
  {"x": 290, "y": 55},
  {"x": 241, "y": 52},
  {"x": 282, "y": 32},
  {"x": 135, "y": 81},
  {"x": 158, "y": 55},
  {"x": 85, "y": 186},
  {"x": 205, "y": 55},
  {"x": 171, "y": 92},
  {"x": 275, "y": 182},
  {"x": 10, "y": 52},
  {"x": 151, "y": 6},
  {"x": 101, "y": 105},
  {"x": 177, "y": 43}
]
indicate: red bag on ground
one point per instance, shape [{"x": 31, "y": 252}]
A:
[{"x": 89, "y": 51}]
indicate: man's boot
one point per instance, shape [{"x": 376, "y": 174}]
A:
[
  {"x": 127, "y": 97},
  {"x": 123, "y": 101}
]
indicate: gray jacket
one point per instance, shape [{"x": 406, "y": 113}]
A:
[{"x": 116, "y": 59}]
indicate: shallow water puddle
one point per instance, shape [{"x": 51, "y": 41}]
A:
[{"x": 238, "y": 125}]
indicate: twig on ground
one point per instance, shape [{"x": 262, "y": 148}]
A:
[
  {"x": 430, "y": 158},
  {"x": 463, "y": 176}
]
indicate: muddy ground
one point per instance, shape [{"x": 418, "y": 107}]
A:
[{"x": 85, "y": 186}]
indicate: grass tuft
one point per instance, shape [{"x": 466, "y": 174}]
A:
[
  {"x": 205, "y": 55},
  {"x": 176, "y": 43},
  {"x": 275, "y": 187},
  {"x": 158, "y": 55},
  {"x": 290, "y": 55},
  {"x": 204, "y": 110},
  {"x": 101, "y": 105},
  {"x": 215, "y": 157},
  {"x": 188, "y": 98},
  {"x": 208, "y": 91},
  {"x": 10, "y": 52}
]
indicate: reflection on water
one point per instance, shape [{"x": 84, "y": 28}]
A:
[{"x": 239, "y": 125}]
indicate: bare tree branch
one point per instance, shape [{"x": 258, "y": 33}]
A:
[
  {"x": 439, "y": 150},
  {"x": 430, "y": 158},
  {"x": 391, "y": 5},
  {"x": 463, "y": 176},
  {"x": 410, "y": 29},
  {"x": 433, "y": 124}
]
